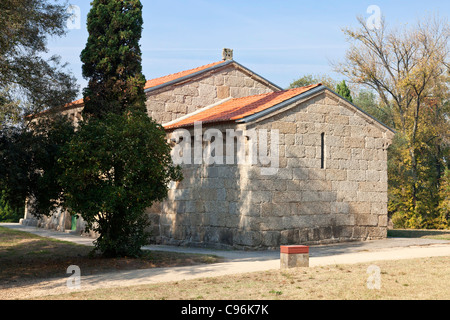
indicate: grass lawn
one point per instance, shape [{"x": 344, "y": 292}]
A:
[
  {"x": 24, "y": 256},
  {"x": 425, "y": 279}
]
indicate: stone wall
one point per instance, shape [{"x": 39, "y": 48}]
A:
[
  {"x": 237, "y": 206},
  {"x": 171, "y": 102},
  {"x": 59, "y": 220},
  {"x": 72, "y": 113}
]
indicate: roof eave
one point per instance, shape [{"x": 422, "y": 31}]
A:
[
  {"x": 304, "y": 95},
  {"x": 281, "y": 105},
  {"x": 361, "y": 110},
  {"x": 259, "y": 76}
]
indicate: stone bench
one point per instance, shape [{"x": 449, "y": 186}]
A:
[{"x": 294, "y": 256}]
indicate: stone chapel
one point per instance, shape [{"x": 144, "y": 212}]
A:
[{"x": 262, "y": 166}]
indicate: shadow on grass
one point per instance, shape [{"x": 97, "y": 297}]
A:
[
  {"x": 415, "y": 233},
  {"x": 25, "y": 256}
]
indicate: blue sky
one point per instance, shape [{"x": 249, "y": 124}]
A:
[{"x": 280, "y": 40}]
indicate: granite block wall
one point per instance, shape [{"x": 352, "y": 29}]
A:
[
  {"x": 171, "y": 102},
  {"x": 331, "y": 185}
]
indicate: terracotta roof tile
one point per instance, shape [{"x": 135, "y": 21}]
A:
[
  {"x": 158, "y": 81},
  {"x": 76, "y": 103},
  {"x": 239, "y": 108}
]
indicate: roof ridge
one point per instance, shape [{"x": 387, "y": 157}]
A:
[
  {"x": 311, "y": 86},
  {"x": 180, "y": 74},
  {"x": 284, "y": 91}
]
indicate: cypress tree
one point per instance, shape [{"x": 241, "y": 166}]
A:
[
  {"x": 344, "y": 91},
  {"x": 112, "y": 58}
]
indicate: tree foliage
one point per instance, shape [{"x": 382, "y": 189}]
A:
[
  {"x": 28, "y": 82},
  {"x": 28, "y": 164},
  {"x": 309, "y": 79},
  {"x": 112, "y": 58},
  {"x": 118, "y": 163},
  {"x": 115, "y": 168},
  {"x": 344, "y": 91},
  {"x": 444, "y": 193},
  {"x": 8, "y": 213},
  {"x": 408, "y": 70},
  {"x": 369, "y": 101}
]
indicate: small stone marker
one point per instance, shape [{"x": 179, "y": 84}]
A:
[{"x": 294, "y": 256}]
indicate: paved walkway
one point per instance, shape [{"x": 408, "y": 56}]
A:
[{"x": 235, "y": 261}]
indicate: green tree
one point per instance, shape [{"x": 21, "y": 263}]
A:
[
  {"x": 29, "y": 164},
  {"x": 309, "y": 79},
  {"x": 368, "y": 101},
  {"x": 115, "y": 168},
  {"x": 112, "y": 58},
  {"x": 9, "y": 214},
  {"x": 29, "y": 83},
  {"x": 344, "y": 91},
  {"x": 444, "y": 205},
  {"x": 118, "y": 163},
  {"x": 407, "y": 69}
]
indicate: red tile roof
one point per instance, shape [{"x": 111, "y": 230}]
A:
[
  {"x": 239, "y": 108},
  {"x": 76, "y": 103},
  {"x": 158, "y": 81},
  {"x": 178, "y": 75},
  {"x": 72, "y": 105}
]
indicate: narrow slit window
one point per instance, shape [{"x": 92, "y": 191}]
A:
[{"x": 322, "y": 151}]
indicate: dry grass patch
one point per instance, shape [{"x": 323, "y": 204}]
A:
[
  {"x": 404, "y": 279},
  {"x": 25, "y": 256}
]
